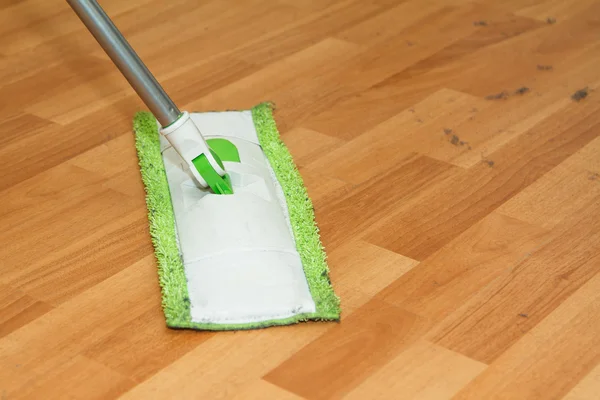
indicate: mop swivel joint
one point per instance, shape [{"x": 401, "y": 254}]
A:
[{"x": 204, "y": 163}]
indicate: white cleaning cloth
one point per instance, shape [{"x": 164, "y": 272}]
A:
[{"x": 238, "y": 250}]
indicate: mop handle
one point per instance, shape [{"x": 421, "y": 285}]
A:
[{"x": 125, "y": 58}]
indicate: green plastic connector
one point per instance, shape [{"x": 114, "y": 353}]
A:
[
  {"x": 225, "y": 149},
  {"x": 221, "y": 150}
]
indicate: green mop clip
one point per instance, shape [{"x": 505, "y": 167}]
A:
[
  {"x": 204, "y": 157},
  {"x": 221, "y": 150}
]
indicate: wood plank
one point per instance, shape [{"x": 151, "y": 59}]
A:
[
  {"x": 469, "y": 196},
  {"x": 56, "y": 144},
  {"x": 337, "y": 362},
  {"x": 510, "y": 120},
  {"x": 55, "y": 78},
  {"x": 64, "y": 197},
  {"x": 307, "y": 145},
  {"x": 73, "y": 379},
  {"x": 30, "y": 62},
  {"x": 448, "y": 278},
  {"x": 587, "y": 388},
  {"x": 273, "y": 83},
  {"x": 505, "y": 119},
  {"x": 42, "y": 346},
  {"x": 134, "y": 20},
  {"x": 541, "y": 204},
  {"x": 206, "y": 36},
  {"x": 262, "y": 390},
  {"x": 21, "y": 125},
  {"x": 340, "y": 78},
  {"x": 115, "y": 161},
  {"x": 286, "y": 41},
  {"x": 549, "y": 93},
  {"x": 230, "y": 361},
  {"x": 512, "y": 63},
  {"x": 421, "y": 129},
  {"x": 312, "y": 5},
  {"x": 126, "y": 348},
  {"x": 9, "y": 21},
  {"x": 80, "y": 265},
  {"x": 361, "y": 270},
  {"x": 60, "y": 21},
  {"x": 491, "y": 322},
  {"x": 558, "y": 10},
  {"x": 9, "y": 3},
  {"x": 18, "y": 309},
  {"x": 376, "y": 29},
  {"x": 423, "y": 371},
  {"x": 503, "y": 31},
  {"x": 79, "y": 101},
  {"x": 565, "y": 345},
  {"x": 586, "y": 158},
  {"x": 388, "y": 96},
  {"x": 323, "y": 188},
  {"x": 348, "y": 217}
]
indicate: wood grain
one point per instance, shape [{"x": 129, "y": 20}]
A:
[
  {"x": 567, "y": 340},
  {"x": 18, "y": 309},
  {"x": 455, "y": 181},
  {"x": 338, "y": 361},
  {"x": 424, "y": 371},
  {"x": 527, "y": 288},
  {"x": 586, "y": 389},
  {"x": 262, "y": 390},
  {"x": 455, "y": 273}
]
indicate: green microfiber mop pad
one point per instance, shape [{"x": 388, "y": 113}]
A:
[{"x": 175, "y": 299}]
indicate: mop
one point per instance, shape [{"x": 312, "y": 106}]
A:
[{"x": 233, "y": 228}]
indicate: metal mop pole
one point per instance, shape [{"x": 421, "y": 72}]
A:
[{"x": 125, "y": 58}]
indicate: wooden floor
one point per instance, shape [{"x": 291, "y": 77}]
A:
[{"x": 456, "y": 181}]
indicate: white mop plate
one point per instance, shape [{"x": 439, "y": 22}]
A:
[{"x": 238, "y": 250}]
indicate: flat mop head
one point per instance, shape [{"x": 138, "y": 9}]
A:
[{"x": 249, "y": 259}]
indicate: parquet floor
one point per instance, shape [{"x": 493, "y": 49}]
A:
[{"x": 455, "y": 179}]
